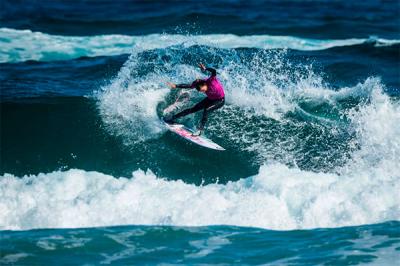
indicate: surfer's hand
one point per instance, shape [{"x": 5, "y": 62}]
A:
[
  {"x": 202, "y": 66},
  {"x": 171, "y": 85}
]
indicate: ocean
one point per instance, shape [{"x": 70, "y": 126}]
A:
[{"x": 89, "y": 175}]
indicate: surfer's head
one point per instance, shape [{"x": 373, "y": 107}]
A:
[{"x": 201, "y": 86}]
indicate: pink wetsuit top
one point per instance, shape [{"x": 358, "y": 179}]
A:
[{"x": 215, "y": 89}]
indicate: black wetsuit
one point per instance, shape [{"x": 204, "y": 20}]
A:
[{"x": 207, "y": 105}]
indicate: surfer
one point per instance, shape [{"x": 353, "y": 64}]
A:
[{"x": 215, "y": 97}]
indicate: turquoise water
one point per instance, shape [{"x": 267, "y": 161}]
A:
[{"x": 378, "y": 243}]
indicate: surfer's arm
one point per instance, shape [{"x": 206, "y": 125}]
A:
[
  {"x": 210, "y": 69},
  {"x": 183, "y": 86},
  {"x": 178, "y": 86}
]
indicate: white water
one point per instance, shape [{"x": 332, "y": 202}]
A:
[
  {"x": 276, "y": 198},
  {"x": 364, "y": 191},
  {"x": 128, "y": 108},
  {"x": 23, "y": 45},
  {"x": 267, "y": 86}
]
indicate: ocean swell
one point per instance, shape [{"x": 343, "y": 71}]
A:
[{"x": 23, "y": 45}]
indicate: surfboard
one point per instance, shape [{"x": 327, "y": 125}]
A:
[{"x": 186, "y": 133}]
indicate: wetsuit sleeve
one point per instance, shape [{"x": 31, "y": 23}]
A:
[
  {"x": 184, "y": 86},
  {"x": 212, "y": 71},
  {"x": 187, "y": 85}
]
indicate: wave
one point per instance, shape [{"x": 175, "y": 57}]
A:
[
  {"x": 362, "y": 191},
  {"x": 23, "y": 45},
  {"x": 263, "y": 89},
  {"x": 277, "y": 198}
]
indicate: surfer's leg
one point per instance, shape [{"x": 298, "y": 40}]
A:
[
  {"x": 214, "y": 106},
  {"x": 199, "y": 106}
]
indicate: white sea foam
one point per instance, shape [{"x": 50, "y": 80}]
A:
[
  {"x": 22, "y": 45},
  {"x": 129, "y": 109},
  {"x": 207, "y": 246},
  {"x": 128, "y": 105},
  {"x": 13, "y": 258},
  {"x": 276, "y": 198}
]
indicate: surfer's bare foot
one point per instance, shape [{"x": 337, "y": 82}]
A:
[{"x": 197, "y": 133}]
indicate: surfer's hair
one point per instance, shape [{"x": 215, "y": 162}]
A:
[{"x": 200, "y": 84}]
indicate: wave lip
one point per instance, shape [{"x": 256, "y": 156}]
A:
[{"x": 23, "y": 45}]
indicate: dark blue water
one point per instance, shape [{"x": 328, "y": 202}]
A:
[
  {"x": 313, "y": 19},
  {"x": 310, "y": 126}
]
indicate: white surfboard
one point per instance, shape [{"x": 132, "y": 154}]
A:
[{"x": 186, "y": 133}]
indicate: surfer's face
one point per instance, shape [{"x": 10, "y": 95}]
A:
[{"x": 203, "y": 88}]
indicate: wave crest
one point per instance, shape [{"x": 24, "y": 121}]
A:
[{"x": 23, "y": 45}]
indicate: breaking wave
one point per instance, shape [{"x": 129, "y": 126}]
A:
[{"x": 23, "y": 45}]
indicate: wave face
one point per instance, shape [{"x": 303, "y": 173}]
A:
[
  {"x": 360, "y": 190},
  {"x": 23, "y": 45}
]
